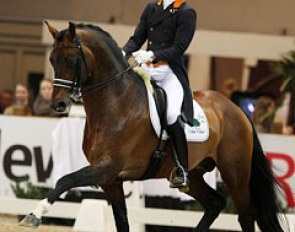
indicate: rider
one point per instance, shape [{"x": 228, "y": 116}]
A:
[{"x": 168, "y": 26}]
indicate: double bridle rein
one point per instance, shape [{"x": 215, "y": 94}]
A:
[{"x": 76, "y": 93}]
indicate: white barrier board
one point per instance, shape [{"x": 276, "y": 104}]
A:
[{"x": 26, "y": 145}]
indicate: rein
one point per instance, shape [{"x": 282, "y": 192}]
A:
[{"x": 104, "y": 83}]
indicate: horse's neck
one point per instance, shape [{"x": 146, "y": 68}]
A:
[{"x": 117, "y": 102}]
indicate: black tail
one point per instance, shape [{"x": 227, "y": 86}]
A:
[{"x": 263, "y": 187}]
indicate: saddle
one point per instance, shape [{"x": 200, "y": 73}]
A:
[
  {"x": 160, "y": 97},
  {"x": 158, "y": 156}
]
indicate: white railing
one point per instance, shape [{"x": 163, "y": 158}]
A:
[{"x": 96, "y": 215}]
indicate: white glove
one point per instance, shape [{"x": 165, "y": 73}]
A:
[
  {"x": 124, "y": 53},
  {"x": 142, "y": 57}
]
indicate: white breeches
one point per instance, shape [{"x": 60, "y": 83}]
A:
[{"x": 165, "y": 78}]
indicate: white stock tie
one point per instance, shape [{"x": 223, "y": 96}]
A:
[{"x": 166, "y": 3}]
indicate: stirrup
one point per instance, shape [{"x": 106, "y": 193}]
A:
[{"x": 178, "y": 178}]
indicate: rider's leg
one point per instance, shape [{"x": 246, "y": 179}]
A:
[
  {"x": 175, "y": 130},
  {"x": 164, "y": 77},
  {"x": 178, "y": 138}
]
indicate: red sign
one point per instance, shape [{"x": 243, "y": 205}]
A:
[{"x": 283, "y": 178}]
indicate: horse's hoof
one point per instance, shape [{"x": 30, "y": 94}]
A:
[{"x": 31, "y": 221}]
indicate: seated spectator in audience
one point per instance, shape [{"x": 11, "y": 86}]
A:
[
  {"x": 6, "y": 99},
  {"x": 290, "y": 125},
  {"x": 21, "y": 105},
  {"x": 41, "y": 105},
  {"x": 263, "y": 116}
]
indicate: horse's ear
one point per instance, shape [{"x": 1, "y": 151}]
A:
[
  {"x": 52, "y": 30},
  {"x": 72, "y": 30}
]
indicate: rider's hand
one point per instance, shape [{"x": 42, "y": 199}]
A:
[
  {"x": 124, "y": 53},
  {"x": 142, "y": 57}
]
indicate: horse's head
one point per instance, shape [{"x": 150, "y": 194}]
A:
[{"x": 72, "y": 66}]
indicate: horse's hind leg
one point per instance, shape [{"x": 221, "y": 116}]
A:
[
  {"x": 237, "y": 179},
  {"x": 209, "y": 198},
  {"x": 115, "y": 195},
  {"x": 241, "y": 199}
]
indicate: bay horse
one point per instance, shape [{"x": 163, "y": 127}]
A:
[{"x": 119, "y": 138}]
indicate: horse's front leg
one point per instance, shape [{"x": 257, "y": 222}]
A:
[
  {"x": 115, "y": 195},
  {"x": 91, "y": 175}
]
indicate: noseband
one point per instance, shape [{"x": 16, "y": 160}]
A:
[{"x": 76, "y": 92}]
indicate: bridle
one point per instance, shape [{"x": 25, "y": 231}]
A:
[
  {"x": 76, "y": 92},
  {"x": 74, "y": 85}
]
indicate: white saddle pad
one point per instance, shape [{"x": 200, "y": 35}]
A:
[{"x": 197, "y": 133}]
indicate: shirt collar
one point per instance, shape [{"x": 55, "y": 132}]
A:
[{"x": 176, "y": 4}]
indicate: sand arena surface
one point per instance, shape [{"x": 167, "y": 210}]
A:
[{"x": 9, "y": 223}]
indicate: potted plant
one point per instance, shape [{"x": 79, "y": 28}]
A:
[{"x": 286, "y": 70}]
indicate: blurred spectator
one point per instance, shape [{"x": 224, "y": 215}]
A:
[
  {"x": 6, "y": 99},
  {"x": 41, "y": 105},
  {"x": 21, "y": 104},
  {"x": 285, "y": 114},
  {"x": 290, "y": 126},
  {"x": 263, "y": 116}
]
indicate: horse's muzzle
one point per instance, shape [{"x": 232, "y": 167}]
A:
[{"x": 59, "y": 106}]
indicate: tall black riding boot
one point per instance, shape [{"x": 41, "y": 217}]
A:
[{"x": 179, "y": 176}]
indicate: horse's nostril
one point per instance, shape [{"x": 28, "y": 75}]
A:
[{"x": 59, "y": 106}]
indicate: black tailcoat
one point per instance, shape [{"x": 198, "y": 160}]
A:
[{"x": 168, "y": 33}]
